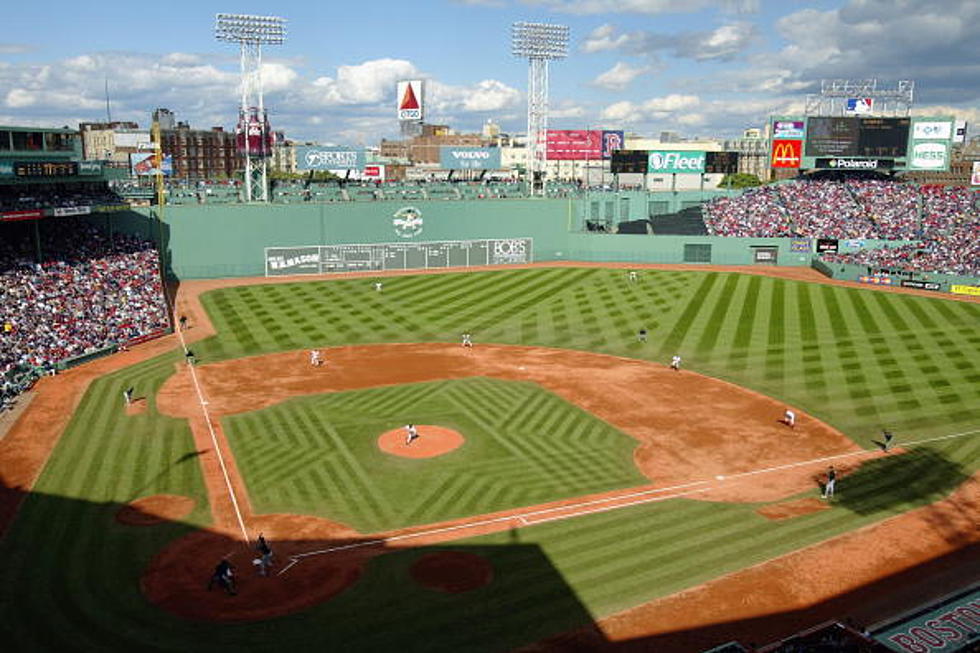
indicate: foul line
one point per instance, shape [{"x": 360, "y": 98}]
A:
[
  {"x": 523, "y": 517},
  {"x": 214, "y": 438}
]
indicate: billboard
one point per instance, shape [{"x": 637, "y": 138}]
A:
[
  {"x": 859, "y": 105},
  {"x": 787, "y": 153},
  {"x": 332, "y": 157},
  {"x": 141, "y": 163},
  {"x": 629, "y": 161},
  {"x": 469, "y": 158},
  {"x": 941, "y": 130},
  {"x": 410, "y": 100},
  {"x": 573, "y": 144},
  {"x": 788, "y": 128},
  {"x": 843, "y": 163},
  {"x": 611, "y": 142},
  {"x": 676, "y": 161},
  {"x": 929, "y": 156}
]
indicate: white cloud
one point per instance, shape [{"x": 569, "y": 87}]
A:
[
  {"x": 652, "y": 7},
  {"x": 15, "y": 48},
  {"x": 365, "y": 83},
  {"x": 623, "y": 111},
  {"x": 619, "y": 76},
  {"x": 603, "y": 38}
]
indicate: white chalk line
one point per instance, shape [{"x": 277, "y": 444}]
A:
[
  {"x": 214, "y": 438},
  {"x": 295, "y": 559}
]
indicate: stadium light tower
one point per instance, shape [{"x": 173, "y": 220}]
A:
[
  {"x": 253, "y": 135},
  {"x": 539, "y": 43}
]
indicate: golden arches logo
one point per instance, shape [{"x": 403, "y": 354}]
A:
[{"x": 786, "y": 154}]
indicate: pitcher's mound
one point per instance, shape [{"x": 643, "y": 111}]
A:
[
  {"x": 432, "y": 441},
  {"x": 452, "y": 571}
]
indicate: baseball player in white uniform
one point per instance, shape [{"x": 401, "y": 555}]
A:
[
  {"x": 410, "y": 433},
  {"x": 632, "y": 276},
  {"x": 467, "y": 339},
  {"x": 675, "y": 363},
  {"x": 790, "y": 418},
  {"x": 378, "y": 285},
  {"x": 315, "y": 359}
]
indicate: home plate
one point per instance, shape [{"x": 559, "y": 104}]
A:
[{"x": 720, "y": 477}]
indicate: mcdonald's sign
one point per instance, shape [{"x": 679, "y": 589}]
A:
[{"x": 787, "y": 154}]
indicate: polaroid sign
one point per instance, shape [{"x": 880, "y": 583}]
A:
[
  {"x": 675, "y": 162},
  {"x": 855, "y": 164},
  {"x": 928, "y": 156},
  {"x": 469, "y": 158},
  {"x": 410, "y": 100}
]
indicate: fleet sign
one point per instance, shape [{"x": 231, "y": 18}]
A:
[
  {"x": 409, "y": 98},
  {"x": 676, "y": 161},
  {"x": 311, "y": 157},
  {"x": 469, "y": 158},
  {"x": 787, "y": 153}
]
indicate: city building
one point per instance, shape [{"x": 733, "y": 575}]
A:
[
  {"x": 198, "y": 153},
  {"x": 753, "y": 153}
]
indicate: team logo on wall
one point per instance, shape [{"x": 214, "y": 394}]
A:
[{"x": 407, "y": 222}]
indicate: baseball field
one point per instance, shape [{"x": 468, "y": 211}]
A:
[{"x": 589, "y": 484}]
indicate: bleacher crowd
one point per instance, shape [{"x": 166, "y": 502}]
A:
[
  {"x": 88, "y": 293},
  {"x": 54, "y": 196},
  {"x": 945, "y": 221}
]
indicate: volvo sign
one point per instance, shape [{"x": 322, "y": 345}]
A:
[
  {"x": 469, "y": 158},
  {"x": 676, "y": 161}
]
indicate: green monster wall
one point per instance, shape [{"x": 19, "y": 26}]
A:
[{"x": 211, "y": 241}]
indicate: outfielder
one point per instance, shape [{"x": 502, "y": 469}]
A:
[
  {"x": 632, "y": 276},
  {"x": 378, "y": 285}
]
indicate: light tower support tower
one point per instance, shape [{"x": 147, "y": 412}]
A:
[
  {"x": 251, "y": 33},
  {"x": 539, "y": 43}
]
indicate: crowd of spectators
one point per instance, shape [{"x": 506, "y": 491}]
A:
[
  {"x": 944, "y": 221},
  {"x": 87, "y": 293},
  {"x": 48, "y": 196}
]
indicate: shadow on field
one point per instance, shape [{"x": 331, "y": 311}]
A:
[
  {"x": 105, "y": 582},
  {"x": 899, "y": 482}
]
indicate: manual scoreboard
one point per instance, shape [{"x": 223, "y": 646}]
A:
[{"x": 325, "y": 259}]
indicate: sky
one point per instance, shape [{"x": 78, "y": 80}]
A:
[{"x": 703, "y": 68}]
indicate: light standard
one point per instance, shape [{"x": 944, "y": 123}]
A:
[
  {"x": 251, "y": 32},
  {"x": 539, "y": 43}
]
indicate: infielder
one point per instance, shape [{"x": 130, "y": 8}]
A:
[
  {"x": 467, "y": 340},
  {"x": 675, "y": 363},
  {"x": 315, "y": 359},
  {"x": 789, "y": 417},
  {"x": 828, "y": 489}
]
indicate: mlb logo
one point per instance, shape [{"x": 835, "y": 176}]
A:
[{"x": 860, "y": 104}]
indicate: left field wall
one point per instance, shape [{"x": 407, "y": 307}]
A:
[{"x": 203, "y": 242}]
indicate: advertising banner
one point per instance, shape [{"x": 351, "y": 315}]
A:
[
  {"x": 787, "y": 153},
  {"x": 65, "y": 211},
  {"x": 469, "y": 158},
  {"x": 333, "y": 157},
  {"x": 14, "y": 216},
  {"x": 825, "y": 245},
  {"x": 959, "y": 289},
  {"x": 676, "y": 161},
  {"x": 6, "y": 168},
  {"x": 90, "y": 167},
  {"x": 856, "y": 164},
  {"x": 611, "y": 142},
  {"x": 409, "y": 98},
  {"x": 374, "y": 172},
  {"x": 573, "y": 144},
  {"x": 929, "y": 156},
  {"x": 932, "y": 130},
  {"x": 948, "y": 625},
  {"x": 921, "y": 285},
  {"x": 281, "y": 261},
  {"x": 788, "y": 129},
  {"x": 875, "y": 280},
  {"x": 800, "y": 245},
  {"x": 141, "y": 163},
  {"x": 130, "y": 139},
  {"x": 975, "y": 176}
]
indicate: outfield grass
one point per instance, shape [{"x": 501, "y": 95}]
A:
[{"x": 858, "y": 359}]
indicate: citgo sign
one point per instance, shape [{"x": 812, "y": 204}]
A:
[{"x": 675, "y": 161}]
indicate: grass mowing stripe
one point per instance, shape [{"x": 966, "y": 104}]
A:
[
  {"x": 777, "y": 314},
  {"x": 807, "y": 318},
  {"x": 829, "y": 295},
  {"x": 683, "y": 324},
  {"x": 716, "y": 320}
]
